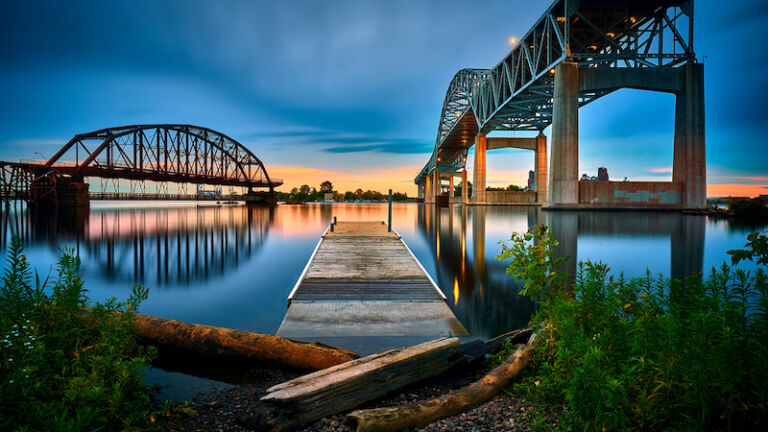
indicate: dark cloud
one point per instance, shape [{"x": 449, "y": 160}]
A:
[{"x": 398, "y": 146}]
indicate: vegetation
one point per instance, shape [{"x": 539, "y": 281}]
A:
[
  {"x": 751, "y": 209},
  {"x": 647, "y": 353},
  {"x": 307, "y": 194},
  {"x": 510, "y": 188},
  {"x": 64, "y": 367}
]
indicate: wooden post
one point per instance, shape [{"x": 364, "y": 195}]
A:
[{"x": 389, "y": 219}]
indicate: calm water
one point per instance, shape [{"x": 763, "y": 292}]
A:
[{"x": 234, "y": 266}]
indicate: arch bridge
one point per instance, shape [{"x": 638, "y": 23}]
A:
[
  {"x": 577, "y": 52},
  {"x": 161, "y": 153}
]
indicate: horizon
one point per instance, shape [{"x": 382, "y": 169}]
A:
[{"x": 348, "y": 92}]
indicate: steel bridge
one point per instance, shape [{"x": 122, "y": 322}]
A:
[
  {"x": 577, "y": 52},
  {"x": 160, "y": 153}
]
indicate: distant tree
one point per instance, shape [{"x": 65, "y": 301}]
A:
[
  {"x": 397, "y": 196},
  {"x": 514, "y": 188},
  {"x": 326, "y": 186},
  {"x": 305, "y": 189},
  {"x": 295, "y": 191},
  {"x": 359, "y": 194},
  {"x": 350, "y": 197}
]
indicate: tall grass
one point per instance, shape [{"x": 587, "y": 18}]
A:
[
  {"x": 648, "y": 353},
  {"x": 64, "y": 367}
]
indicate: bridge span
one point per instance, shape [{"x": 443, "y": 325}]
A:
[
  {"x": 577, "y": 52},
  {"x": 160, "y": 153}
]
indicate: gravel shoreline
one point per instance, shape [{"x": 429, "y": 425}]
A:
[{"x": 219, "y": 410}]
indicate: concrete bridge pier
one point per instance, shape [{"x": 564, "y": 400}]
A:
[
  {"x": 689, "y": 160},
  {"x": 479, "y": 195},
  {"x": 564, "y": 162},
  {"x": 542, "y": 188},
  {"x": 688, "y": 187},
  {"x": 254, "y": 198},
  {"x": 55, "y": 193}
]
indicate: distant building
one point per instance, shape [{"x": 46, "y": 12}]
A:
[
  {"x": 602, "y": 174},
  {"x": 531, "y": 180},
  {"x": 328, "y": 197},
  {"x": 763, "y": 198}
]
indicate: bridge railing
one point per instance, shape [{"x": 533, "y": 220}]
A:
[{"x": 129, "y": 196}]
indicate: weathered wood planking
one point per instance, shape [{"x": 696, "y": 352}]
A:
[
  {"x": 361, "y": 229},
  {"x": 340, "y": 388},
  {"x": 364, "y": 281}
]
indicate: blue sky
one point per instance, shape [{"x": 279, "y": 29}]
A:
[{"x": 346, "y": 90}]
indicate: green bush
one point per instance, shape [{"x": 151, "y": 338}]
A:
[
  {"x": 64, "y": 367},
  {"x": 650, "y": 353},
  {"x": 751, "y": 209}
]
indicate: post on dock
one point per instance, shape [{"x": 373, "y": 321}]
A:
[{"x": 389, "y": 219}]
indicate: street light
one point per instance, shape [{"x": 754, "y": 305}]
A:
[
  {"x": 41, "y": 155},
  {"x": 512, "y": 41}
]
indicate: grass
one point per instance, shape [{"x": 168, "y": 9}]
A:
[{"x": 647, "y": 353}]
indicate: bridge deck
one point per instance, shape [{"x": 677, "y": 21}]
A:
[{"x": 364, "y": 281}]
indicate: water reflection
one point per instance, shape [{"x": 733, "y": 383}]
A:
[
  {"x": 464, "y": 243},
  {"x": 483, "y": 298},
  {"x": 685, "y": 235},
  {"x": 161, "y": 246}
]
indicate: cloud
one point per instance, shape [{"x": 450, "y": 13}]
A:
[
  {"x": 331, "y": 141},
  {"x": 752, "y": 178},
  {"x": 367, "y": 144},
  {"x": 665, "y": 170}
]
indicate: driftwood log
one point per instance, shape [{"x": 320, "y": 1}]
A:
[
  {"x": 294, "y": 403},
  {"x": 289, "y": 405},
  {"x": 422, "y": 413},
  {"x": 218, "y": 341}
]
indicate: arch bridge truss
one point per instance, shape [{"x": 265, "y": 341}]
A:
[
  {"x": 517, "y": 93},
  {"x": 160, "y": 153}
]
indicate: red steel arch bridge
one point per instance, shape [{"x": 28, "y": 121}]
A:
[
  {"x": 163, "y": 153},
  {"x": 577, "y": 52}
]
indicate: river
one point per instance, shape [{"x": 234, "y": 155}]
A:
[{"x": 234, "y": 266}]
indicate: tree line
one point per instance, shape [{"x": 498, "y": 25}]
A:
[{"x": 305, "y": 193}]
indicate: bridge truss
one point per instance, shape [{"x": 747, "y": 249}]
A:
[
  {"x": 160, "y": 153},
  {"x": 516, "y": 94}
]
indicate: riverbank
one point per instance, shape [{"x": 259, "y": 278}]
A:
[{"x": 221, "y": 410}]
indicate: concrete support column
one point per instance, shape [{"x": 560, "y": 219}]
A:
[
  {"x": 564, "y": 165},
  {"x": 435, "y": 184},
  {"x": 450, "y": 186},
  {"x": 541, "y": 169},
  {"x": 689, "y": 160},
  {"x": 420, "y": 188},
  {"x": 478, "y": 186},
  {"x": 464, "y": 188}
]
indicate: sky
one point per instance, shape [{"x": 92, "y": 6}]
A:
[{"x": 349, "y": 91}]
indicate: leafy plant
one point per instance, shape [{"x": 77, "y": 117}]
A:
[
  {"x": 65, "y": 367},
  {"x": 653, "y": 353}
]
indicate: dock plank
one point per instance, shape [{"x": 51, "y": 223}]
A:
[{"x": 363, "y": 281}]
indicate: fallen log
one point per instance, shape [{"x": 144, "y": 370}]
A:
[
  {"x": 289, "y": 405},
  {"x": 236, "y": 344},
  {"x": 422, "y": 413},
  {"x": 294, "y": 403}
]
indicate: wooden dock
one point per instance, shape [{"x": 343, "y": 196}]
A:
[{"x": 362, "y": 281}]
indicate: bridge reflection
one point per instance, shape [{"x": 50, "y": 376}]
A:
[
  {"x": 464, "y": 241},
  {"x": 161, "y": 246}
]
